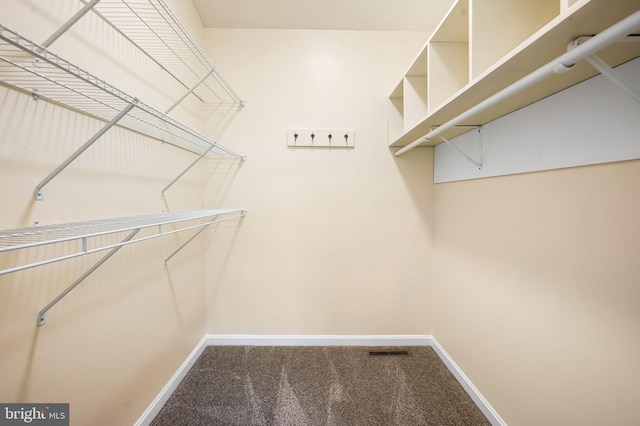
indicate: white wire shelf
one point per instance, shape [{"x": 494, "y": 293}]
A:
[
  {"x": 86, "y": 234},
  {"x": 156, "y": 31},
  {"x": 30, "y": 68}
]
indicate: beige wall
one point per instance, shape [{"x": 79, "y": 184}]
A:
[
  {"x": 336, "y": 241},
  {"x": 536, "y": 292},
  {"x": 113, "y": 343},
  {"x": 528, "y": 281}
]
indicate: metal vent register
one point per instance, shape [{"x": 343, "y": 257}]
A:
[{"x": 390, "y": 352}]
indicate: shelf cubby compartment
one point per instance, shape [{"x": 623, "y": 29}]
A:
[
  {"x": 395, "y": 112},
  {"x": 448, "y": 56},
  {"x": 499, "y": 26},
  {"x": 415, "y": 91}
]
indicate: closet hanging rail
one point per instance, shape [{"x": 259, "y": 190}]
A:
[
  {"x": 32, "y": 69},
  {"x": 156, "y": 31},
  {"x": 561, "y": 64},
  {"x": 87, "y": 237}
]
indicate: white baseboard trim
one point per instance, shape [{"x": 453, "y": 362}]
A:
[
  {"x": 469, "y": 387},
  {"x": 319, "y": 340},
  {"x": 156, "y": 405}
]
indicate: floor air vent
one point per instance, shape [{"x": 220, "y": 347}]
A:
[{"x": 389, "y": 353}]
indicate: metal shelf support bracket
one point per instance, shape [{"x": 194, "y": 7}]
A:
[
  {"x": 185, "y": 171},
  {"x": 38, "y": 191},
  {"x": 212, "y": 221},
  {"x": 613, "y": 76},
  {"x": 194, "y": 87},
  {"x": 478, "y": 164},
  {"x": 608, "y": 72},
  {"x": 188, "y": 241},
  {"x": 42, "y": 319},
  {"x": 79, "y": 14}
]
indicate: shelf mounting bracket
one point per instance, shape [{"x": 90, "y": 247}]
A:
[
  {"x": 188, "y": 241},
  {"x": 212, "y": 221},
  {"x": 194, "y": 87},
  {"x": 608, "y": 72},
  {"x": 185, "y": 171},
  {"x": 38, "y": 191},
  {"x": 79, "y": 14},
  {"x": 42, "y": 319},
  {"x": 478, "y": 164}
]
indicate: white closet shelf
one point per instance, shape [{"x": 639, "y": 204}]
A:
[
  {"x": 30, "y": 68},
  {"x": 85, "y": 234},
  {"x": 156, "y": 31},
  {"x": 585, "y": 17}
]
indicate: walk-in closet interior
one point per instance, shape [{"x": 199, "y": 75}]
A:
[{"x": 457, "y": 174}]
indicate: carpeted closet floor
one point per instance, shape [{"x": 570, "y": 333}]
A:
[{"x": 261, "y": 385}]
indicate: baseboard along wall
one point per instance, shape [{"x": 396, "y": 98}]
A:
[{"x": 318, "y": 340}]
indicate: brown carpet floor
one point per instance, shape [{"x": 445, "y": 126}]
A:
[{"x": 275, "y": 386}]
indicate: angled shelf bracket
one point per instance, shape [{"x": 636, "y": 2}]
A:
[
  {"x": 476, "y": 163},
  {"x": 63, "y": 29},
  {"x": 42, "y": 315},
  {"x": 184, "y": 172},
  {"x": 87, "y": 238},
  {"x": 38, "y": 191},
  {"x": 190, "y": 91},
  {"x": 608, "y": 72},
  {"x": 205, "y": 225}
]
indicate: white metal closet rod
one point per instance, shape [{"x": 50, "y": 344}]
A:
[{"x": 561, "y": 64}]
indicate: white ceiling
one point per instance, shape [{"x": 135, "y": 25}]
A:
[{"x": 365, "y": 15}]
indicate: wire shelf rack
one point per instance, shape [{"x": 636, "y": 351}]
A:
[
  {"x": 156, "y": 31},
  {"x": 86, "y": 233},
  {"x": 30, "y": 68},
  {"x": 87, "y": 237}
]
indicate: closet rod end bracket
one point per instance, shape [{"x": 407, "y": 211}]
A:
[
  {"x": 38, "y": 195},
  {"x": 42, "y": 320},
  {"x": 243, "y": 157}
]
